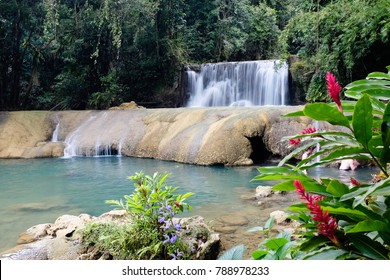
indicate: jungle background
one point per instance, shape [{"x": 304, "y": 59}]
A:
[{"x": 94, "y": 54}]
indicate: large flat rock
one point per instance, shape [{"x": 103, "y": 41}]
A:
[{"x": 206, "y": 136}]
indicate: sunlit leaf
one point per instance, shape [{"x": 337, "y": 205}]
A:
[
  {"x": 324, "y": 112},
  {"x": 369, "y": 225},
  {"x": 362, "y": 120}
]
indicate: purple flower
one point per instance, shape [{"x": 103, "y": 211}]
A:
[
  {"x": 167, "y": 239},
  {"x": 173, "y": 238},
  {"x": 167, "y": 225},
  {"x": 177, "y": 226},
  {"x": 161, "y": 220},
  {"x": 173, "y": 257}
]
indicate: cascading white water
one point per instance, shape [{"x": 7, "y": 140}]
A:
[
  {"x": 96, "y": 136},
  {"x": 56, "y": 131},
  {"x": 249, "y": 83}
]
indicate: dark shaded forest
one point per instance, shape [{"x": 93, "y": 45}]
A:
[{"x": 93, "y": 54}]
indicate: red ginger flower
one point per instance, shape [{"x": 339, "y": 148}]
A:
[
  {"x": 308, "y": 130},
  {"x": 326, "y": 224},
  {"x": 354, "y": 182},
  {"x": 334, "y": 89}
]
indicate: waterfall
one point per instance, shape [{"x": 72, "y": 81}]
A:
[
  {"x": 54, "y": 137},
  {"x": 249, "y": 83},
  {"x": 99, "y": 135}
]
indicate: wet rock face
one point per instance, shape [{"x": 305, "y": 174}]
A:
[{"x": 227, "y": 136}]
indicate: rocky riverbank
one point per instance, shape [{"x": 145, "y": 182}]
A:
[{"x": 62, "y": 240}]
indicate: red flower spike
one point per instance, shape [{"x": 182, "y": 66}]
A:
[
  {"x": 309, "y": 130},
  {"x": 334, "y": 89},
  {"x": 354, "y": 182},
  {"x": 326, "y": 224},
  {"x": 295, "y": 141}
]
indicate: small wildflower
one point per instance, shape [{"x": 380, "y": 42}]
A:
[
  {"x": 326, "y": 224},
  {"x": 177, "y": 226},
  {"x": 173, "y": 238},
  {"x": 334, "y": 89},
  {"x": 167, "y": 239},
  {"x": 161, "y": 220},
  {"x": 173, "y": 257}
]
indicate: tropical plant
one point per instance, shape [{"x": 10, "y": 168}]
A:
[
  {"x": 152, "y": 233},
  {"x": 339, "y": 220}
]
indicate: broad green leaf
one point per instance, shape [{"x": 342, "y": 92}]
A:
[
  {"x": 235, "y": 253},
  {"x": 313, "y": 243},
  {"x": 385, "y": 156},
  {"x": 269, "y": 223},
  {"x": 255, "y": 229},
  {"x": 278, "y": 173},
  {"x": 382, "y": 191},
  {"x": 354, "y": 193},
  {"x": 362, "y": 120},
  {"x": 285, "y": 186},
  {"x": 369, "y": 248},
  {"x": 282, "y": 252},
  {"x": 369, "y": 225},
  {"x": 327, "y": 253},
  {"x": 351, "y": 213},
  {"x": 294, "y": 114},
  {"x": 298, "y": 150},
  {"x": 337, "y": 189},
  {"x": 379, "y": 76},
  {"x": 370, "y": 190},
  {"x": 259, "y": 254},
  {"x": 375, "y": 146},
  {"x": 276, "y": 243},
  {"x": 324, "y": 112},
  {"x": 342, "y": 153}
]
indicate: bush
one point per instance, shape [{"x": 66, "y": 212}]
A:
[{"x": 152, "y": 232}]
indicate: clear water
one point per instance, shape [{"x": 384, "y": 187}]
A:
[{"x": 38, "y": 191}]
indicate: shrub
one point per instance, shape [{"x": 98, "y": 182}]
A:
[{"x": 152, "y": 232}]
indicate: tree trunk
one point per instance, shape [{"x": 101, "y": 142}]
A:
[{"x": 16, "y": 65}]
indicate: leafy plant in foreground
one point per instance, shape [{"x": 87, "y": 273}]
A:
[
  {"x": 339, "y": 221},
  {"x": 152, "y": 233}
]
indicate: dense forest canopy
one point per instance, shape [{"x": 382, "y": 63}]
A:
[{"x": 78, "y": 54}]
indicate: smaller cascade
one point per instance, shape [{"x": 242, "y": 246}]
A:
[
  {"x": 56, "y": 131},
  {"x": 99, "y": 135},
  {"x": 247, "y": 83}
]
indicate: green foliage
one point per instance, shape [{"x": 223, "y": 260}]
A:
[
  {"x": 349, "y": 38},
  {"x": 360, "y": 210},
  {"x": 152, "y": 233},
  {"x": 317, "y": 88},
  {"x": 95, "y": 54},
  {"x": 235, "y": 253}
]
